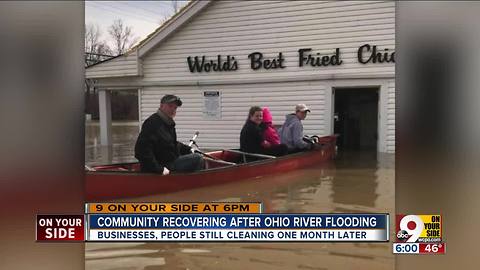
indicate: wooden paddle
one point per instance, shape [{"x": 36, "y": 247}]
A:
[{"x": 192, "y": 142}]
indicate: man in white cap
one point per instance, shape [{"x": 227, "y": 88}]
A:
[{"x": 291, "y": 133}]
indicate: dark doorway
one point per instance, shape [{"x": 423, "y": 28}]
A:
[{"x": 356, "y": 118}]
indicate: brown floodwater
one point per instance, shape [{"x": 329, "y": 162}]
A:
[
  {"x": 124, "y": 135},
  {"x": 356, "y": 182}
]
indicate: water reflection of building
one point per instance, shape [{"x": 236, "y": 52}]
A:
[
  {"x": 311, "y": 192},
  {"x": 385, "y": 182},
  {"x": 124, "y": 135},
  {"x": 364, "y": 181}
]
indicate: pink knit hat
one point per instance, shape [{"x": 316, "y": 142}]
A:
[{"x": 267, "y": 116}]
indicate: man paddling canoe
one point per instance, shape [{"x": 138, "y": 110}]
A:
[{"x": 157, "y": 147}]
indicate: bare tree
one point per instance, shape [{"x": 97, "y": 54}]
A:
[
  {"x": 122, "y": 37},
  {"x": 92, "y": 36},
  {"x": 95, "y": 49}
]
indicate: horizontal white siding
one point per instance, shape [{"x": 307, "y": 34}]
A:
[
  {"x": 125, "y": 65},
  {"x": 390, "y": 128},
  {"x": 238, "y": 28},
  {"x": 235, "y": 103}
]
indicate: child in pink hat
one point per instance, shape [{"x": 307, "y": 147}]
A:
[{"x": 270, "y": 135}]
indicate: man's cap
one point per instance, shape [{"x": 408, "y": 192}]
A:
[
  {"x": 171, "y": 99},
  {"x": 302, "y": 108}
]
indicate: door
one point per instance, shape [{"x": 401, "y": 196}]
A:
[{"x": 356, "y": 118}]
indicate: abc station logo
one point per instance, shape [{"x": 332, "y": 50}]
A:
[
  {"x": 409, "y": 228},
  {"x": 418, "y": 228},
  {"x": 403, "y": 236}
]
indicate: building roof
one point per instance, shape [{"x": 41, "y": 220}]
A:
[{"x": 163, "y": 31}]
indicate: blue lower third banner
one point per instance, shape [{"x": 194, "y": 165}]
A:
[{"x": 238, "y": 227}]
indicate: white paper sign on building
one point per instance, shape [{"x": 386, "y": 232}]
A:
[{"x": 212, "y": 105}]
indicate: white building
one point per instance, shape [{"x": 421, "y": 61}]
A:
[{"x": 339, "y": 37}]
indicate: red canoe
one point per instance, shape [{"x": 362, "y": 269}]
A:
[{"x": 124, "y": 180}]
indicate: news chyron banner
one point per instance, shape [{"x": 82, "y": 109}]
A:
[
  {"x": 419, "y": 234},
  {"x": 208, "y": 222}
]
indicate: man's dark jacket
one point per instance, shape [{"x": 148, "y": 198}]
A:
[{"x": 157, "y": 146}]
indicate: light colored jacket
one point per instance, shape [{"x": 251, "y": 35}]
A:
[{"x": 291, "y": 133}]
